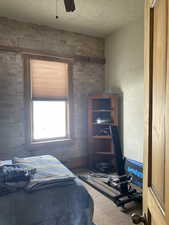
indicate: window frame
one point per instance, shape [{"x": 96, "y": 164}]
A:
[{"x": 29, "y": 101}]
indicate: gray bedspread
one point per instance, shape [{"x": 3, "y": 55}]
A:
[{"x": 60, "y": 205}]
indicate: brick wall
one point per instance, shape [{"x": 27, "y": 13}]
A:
[{"x": 88, "y": 78}]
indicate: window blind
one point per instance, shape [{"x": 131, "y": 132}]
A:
[{"x": 49, "y": 79}]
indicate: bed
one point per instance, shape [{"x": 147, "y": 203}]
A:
[{"x": 63, "y": 204}]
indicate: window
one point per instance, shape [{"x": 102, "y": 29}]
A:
[
  {"x": 49, "y": 119},
  {"x": 49, "y": 99}
]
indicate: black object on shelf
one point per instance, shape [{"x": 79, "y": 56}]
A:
[
  {"x": 102, "y": 131},
  {"x": 102, "y": 117},
  {"x": 102, "y": 104}
]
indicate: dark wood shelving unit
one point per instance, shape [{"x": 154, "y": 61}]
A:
[
  {"x": 103, "y": 124},
  {"x": 102, "y": 137},
  {"x": 105, "y": 153},
  {"x": 103, "y": 111}
]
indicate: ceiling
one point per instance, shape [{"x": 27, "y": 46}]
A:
[{"x": 92, "y": 17}]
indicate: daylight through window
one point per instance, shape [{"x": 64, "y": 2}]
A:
[{"x": 49, "y": 81}]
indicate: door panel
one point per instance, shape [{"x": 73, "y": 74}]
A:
[
  {"x": 156, "y": 213},
  {"x": 153, "y": 223},
  {"x": 156, "y": 158},
  {"x": 158, "y": 99}
]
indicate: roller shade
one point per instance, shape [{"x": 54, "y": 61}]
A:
[{"x": 49, "y": 79}]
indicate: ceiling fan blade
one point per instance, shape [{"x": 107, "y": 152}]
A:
[{"x": 69, "y": 5}]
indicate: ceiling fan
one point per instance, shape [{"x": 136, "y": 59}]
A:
[{"x": 69, "y": 6}]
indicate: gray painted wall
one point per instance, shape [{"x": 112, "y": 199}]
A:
[
  {"x": 88, "y": 78},
  {"x": 124, "y": 74}
]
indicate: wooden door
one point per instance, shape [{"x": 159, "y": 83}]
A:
[{"x": 156, "y": 157}]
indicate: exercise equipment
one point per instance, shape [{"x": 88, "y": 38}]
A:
[{"x": 123, "y": 181}]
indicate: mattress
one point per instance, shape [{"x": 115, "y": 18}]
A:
[{"x": 66, "y": 204}]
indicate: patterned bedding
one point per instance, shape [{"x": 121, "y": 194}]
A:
[{"x": 65, "y": 202}]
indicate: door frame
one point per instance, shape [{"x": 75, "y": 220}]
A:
[{"x": 148, "y": 197}]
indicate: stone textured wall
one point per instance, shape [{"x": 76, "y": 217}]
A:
[{"x": 88, "y": 78}]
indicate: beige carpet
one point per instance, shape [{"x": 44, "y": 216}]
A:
[{"x": 105, "y": 211}]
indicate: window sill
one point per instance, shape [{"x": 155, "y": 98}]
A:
[{"x": 42, "y": 144}]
